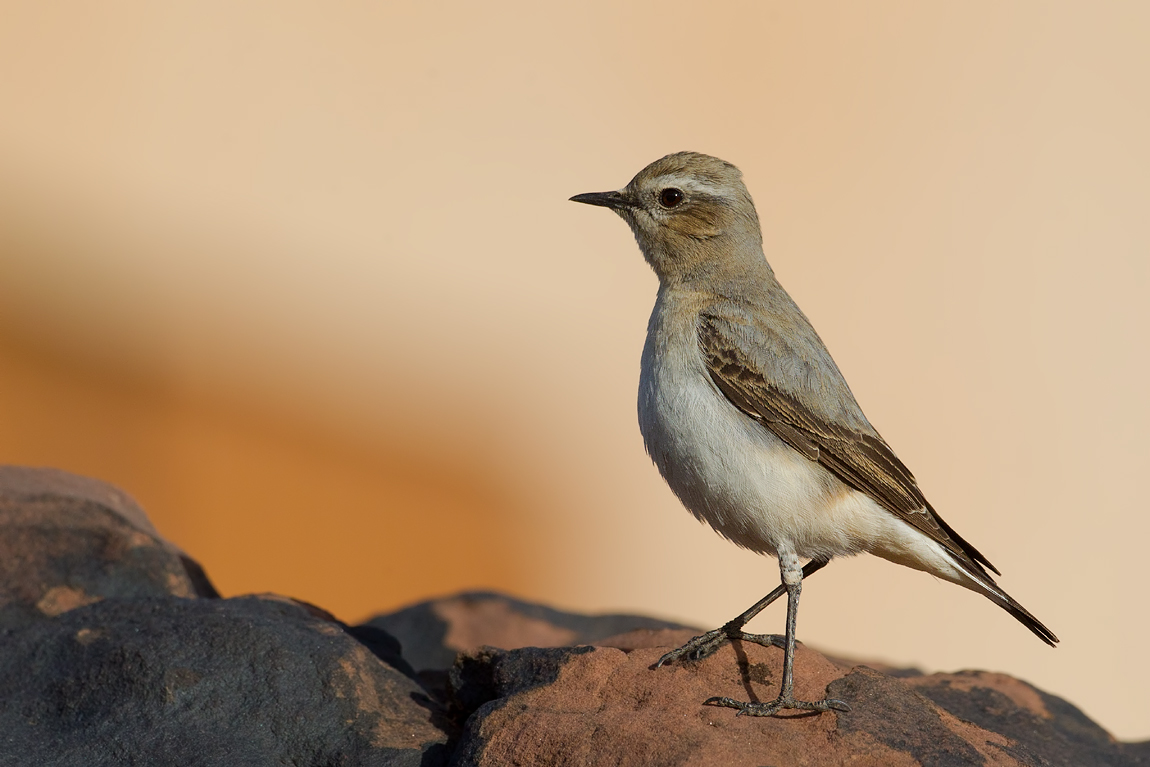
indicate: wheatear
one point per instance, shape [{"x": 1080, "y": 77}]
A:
[{"x": 750, "y": 422}]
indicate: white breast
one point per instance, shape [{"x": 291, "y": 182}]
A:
[{"x": 730, "y": 470}]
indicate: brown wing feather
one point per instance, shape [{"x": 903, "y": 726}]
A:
[{"x": 863, "y": 461}]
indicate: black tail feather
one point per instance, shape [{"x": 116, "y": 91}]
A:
[
  {"x": 1023, "y": 616},
  {"x": 1020, "y": 613}
]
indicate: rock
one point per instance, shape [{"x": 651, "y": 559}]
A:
[
  {"x": 117, "y": 650},
  {"x": 432, "y": 633},
  {"x": 1042, "y": 728},
  {"x": 164, "y": 680},
  {"x": 606, "y": 706},
  {"x": 67, "y": 541}
]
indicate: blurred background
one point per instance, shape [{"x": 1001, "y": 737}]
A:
[{"x": 304, "y": 280}]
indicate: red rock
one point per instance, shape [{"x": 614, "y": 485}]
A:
[{"x": 607, "y": 706}]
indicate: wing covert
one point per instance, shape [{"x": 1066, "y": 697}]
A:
[{"x": 863, "y": 461}]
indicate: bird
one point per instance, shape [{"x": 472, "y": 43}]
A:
[{"x": 748, "y": 419}]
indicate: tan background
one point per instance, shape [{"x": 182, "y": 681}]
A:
[{"x": 303, "y": 279}]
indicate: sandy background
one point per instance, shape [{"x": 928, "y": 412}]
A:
[{"x": 303, "y": 278}]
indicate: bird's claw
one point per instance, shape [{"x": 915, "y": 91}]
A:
[
  {"x": 778, "y": 704},
  {"x": 704, "y": 645},
  {"x": 696, "y": 648}
]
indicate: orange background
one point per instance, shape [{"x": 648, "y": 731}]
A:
[{"x": 303, "y": 279}]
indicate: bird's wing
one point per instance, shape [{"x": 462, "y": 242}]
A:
[{"x": 863, "y": 461}]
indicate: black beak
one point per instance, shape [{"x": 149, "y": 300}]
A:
[{"x": 613, "y": 200}]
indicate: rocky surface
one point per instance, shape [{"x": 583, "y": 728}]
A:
[
  {"x": 67, "y": 541},
  {"x": 117, "y": 650},
  {"x": 604, "y": 705},
  {"x": 434, "y": 632},
  {"x": 164, "y": 680}
]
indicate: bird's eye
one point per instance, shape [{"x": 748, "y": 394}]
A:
[{"x": 670, "y": 197}]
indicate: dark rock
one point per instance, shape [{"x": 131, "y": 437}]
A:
[
  {"x": 891, "y": 714},
  {"x": 492, "y": 674},
  {"x": 1042, "y": 728},
  {"x": 432, "y": 633},
  {"x": 67, "y": 541},
  {"x": 165, "y": 680}
]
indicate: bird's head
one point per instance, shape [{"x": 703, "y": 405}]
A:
[{"x": 690, "y": 213}]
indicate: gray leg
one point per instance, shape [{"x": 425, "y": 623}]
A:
[
  {"x": 793, "y": 582},
  {"x": 706, "y": 644}
]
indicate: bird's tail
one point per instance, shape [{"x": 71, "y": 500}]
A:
[
  {"x": 952, "y": 563},
  {"x": 986, "y": 586},
  {"x": 974, "y": 566}
]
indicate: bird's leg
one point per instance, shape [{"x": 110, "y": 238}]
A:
[
  {"x": 793, "y": 582},
  {"x": 705, "y": 644}
]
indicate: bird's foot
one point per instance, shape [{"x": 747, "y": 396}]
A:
[
  {"x": 706, "y": 644},
  {"x": 777, "y": 705}
]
